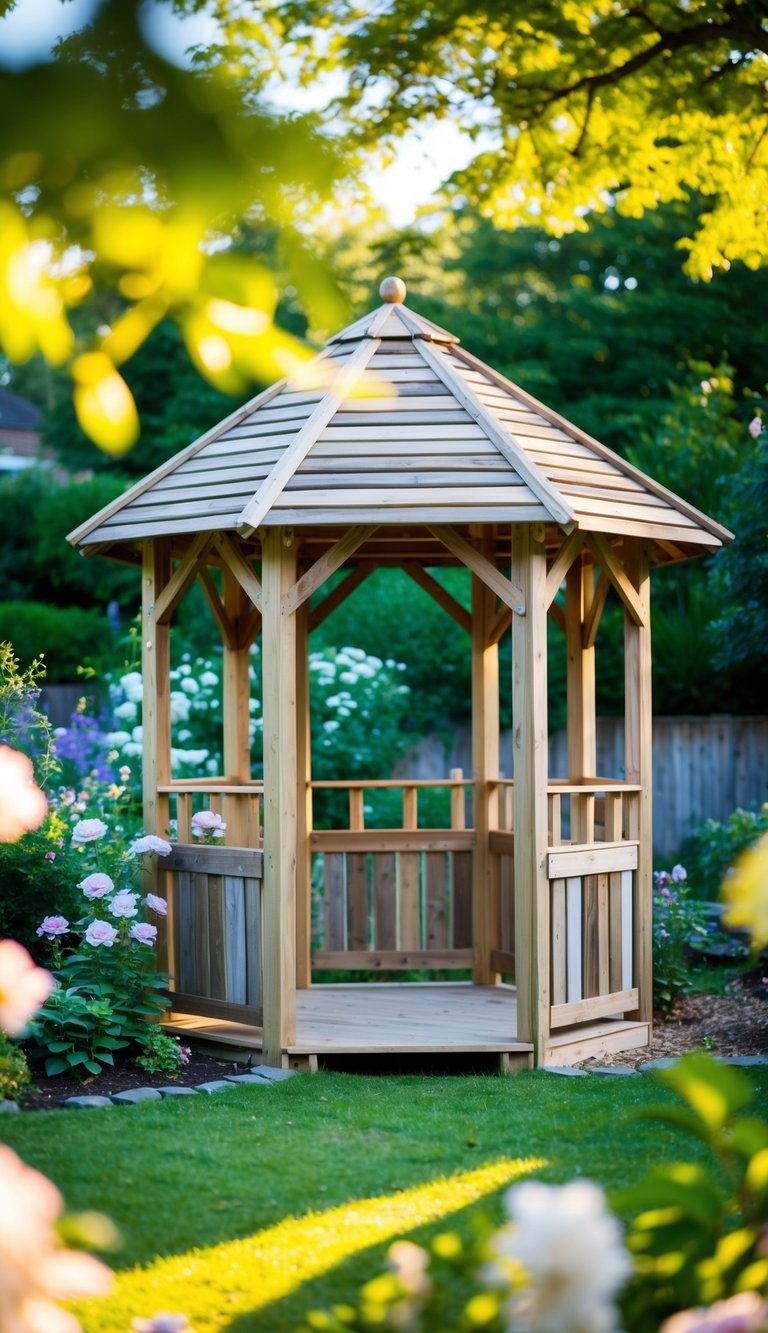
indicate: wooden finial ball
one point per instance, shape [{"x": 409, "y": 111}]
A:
[{"x": 392, "y": 290}]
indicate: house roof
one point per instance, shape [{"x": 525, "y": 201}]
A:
[
  {"x": 17, "y": 414},
  {"x": 395, "y": 423}
]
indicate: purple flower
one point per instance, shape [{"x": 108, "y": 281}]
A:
[
  {"x": 143, "y": 933},
  {"x": 156, "y": 904},
  {"x": 52, "y": 926},
  {"x": 679, "y": 874},
  {"x": 96, "y": 885},
  {"x": 100, "y": 932},
  {"x": 755, "y": 427},
  {"x": 50, "y": 856}
]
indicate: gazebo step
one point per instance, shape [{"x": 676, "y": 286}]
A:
[{"x": 570, "y": 1046}]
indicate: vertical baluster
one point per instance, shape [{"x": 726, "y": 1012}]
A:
[
  {"x": 555, "y": 819},
  {"x": 184, "y": 816},
  {"x": 410, "y": 905},
  {"x": 458, "y": 800}
]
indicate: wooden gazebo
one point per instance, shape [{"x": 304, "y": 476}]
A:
[{"x": 400, "y": 449}]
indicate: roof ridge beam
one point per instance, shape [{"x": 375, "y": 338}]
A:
[
  {"x": 505, "y": 442},
  {"x": 284, "y": 469},
  {"x": 504, "y": 588}
]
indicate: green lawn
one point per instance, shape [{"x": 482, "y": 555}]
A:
[{"x": 248, "y": 1208}]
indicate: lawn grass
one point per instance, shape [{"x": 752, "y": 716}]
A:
[{"x": 248, "y": 1208}]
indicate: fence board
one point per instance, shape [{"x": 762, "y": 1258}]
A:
[
  {"x": 385, "y": 901},
  {"x": 436, "y": 885}
]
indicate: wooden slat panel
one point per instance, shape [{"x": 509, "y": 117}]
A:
[
  {"x": 409, "y": 451},
  {"x": 442, "y": 513},
  {"x": 559, "y": 990},
  {"x": 574, "y": 954},
  {"x": 181, "y": 1002},
  {"x": 357, "y": 900},
  {"x": 217, "y": 988},
  {"x": 184, "y": 932},
  {"x": 409, "y": 900},
  {"x": 599, "y": 1006},
  {"x": 502, "y": 960},
  {"x": 253, "y": 935},
  {"x": 436, "y": 872},
  {"x": 462, "y": 899},
  {"x": 333, "y": 872},
  {"x": 384, "y": 901},
  {"x": 441, "y": 430},
  {"x": 218, "y": 860},
  {"x": 235, "y": 940},
  {"x": 395, "y": 959},
  {"x": 590, "y": 937},
  {"x": 591, "y": 859},
  {"x": 614, "y": 893},
  {"x": 626, "y": 929},
  {"x": 603, "y": 936},
  {"x": 201, "y": 956},
  {"x": 392, "y": 840}
]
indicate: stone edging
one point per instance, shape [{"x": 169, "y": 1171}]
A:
[
  {"x": 259, "y": 1076},
  {"x": 648, "y": 1066}
]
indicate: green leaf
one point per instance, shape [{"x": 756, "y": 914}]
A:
[
  {"x": 56, "y": 1066},
  {"x": 682, "y": 1187},
  {"x": 77, "y": 1058},
  {"x": 93, "y": 1066},
  {"x": 714, "y": 1092},
  {"x": 57, "y": 1046}
]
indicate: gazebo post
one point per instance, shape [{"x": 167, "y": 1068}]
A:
[
  {"x": 236, "y": 693},
  {"x": 529, "y": 721},
  {"x": 278, "y": 575},
  {"x": 304, "y": 804},
  {"x": 638, "y": 759},
  {"x": 156, "y": 714},
  {"x": 485, "y": 771}
]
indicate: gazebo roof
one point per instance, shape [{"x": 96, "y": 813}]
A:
[{"x": 395, "y": 423}]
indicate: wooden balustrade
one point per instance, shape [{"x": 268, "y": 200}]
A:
[
  {"x": 239, "y": 804},
  {"x": 394, "y": 898}
]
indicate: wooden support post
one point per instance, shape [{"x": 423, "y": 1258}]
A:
[
  {"x": 304, "y": 804},
  {"x": 280, "y": 782},
  {"x": 582, "y": 740},
  {"x": 638, "y": 763},
  {"x": 156, "y": 715},
  {"x": 485, "y": 772},
  {"x": 236, "y": 688},
  {"x": 529, "y": 720}
]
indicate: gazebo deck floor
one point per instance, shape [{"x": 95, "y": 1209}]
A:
[{"x": 379, "y": 1018}]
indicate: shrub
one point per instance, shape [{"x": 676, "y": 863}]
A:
[
  {"x": 678, "y": 921},
  {"x": 68, "y": 636},
  {"x": 711, "y": 850},
  {"x": 162, "y": 1054},
  {"x": 108, "y": 988},
  {"x": 14, "y": 1070}
]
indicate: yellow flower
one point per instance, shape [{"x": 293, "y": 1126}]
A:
[{"x": 746, "y": 893}]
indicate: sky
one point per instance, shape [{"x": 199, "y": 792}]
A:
[{"x": 28, "y": 33}]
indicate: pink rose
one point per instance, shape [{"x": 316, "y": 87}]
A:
[
  {"x": 143, "y": 933},
  {"x": 150, "y": 843},
  {"x": 755, "y": 427},
  {"x": 745, "y": 1313},
  {"x": 23, "y": 987},
  {"x": 207, "y": 822},
  {"x": 50, "y": 856},
  {"x": 88, "y": 830},
  {"x": 100, "y": 932},
  {"x": 156, "y": 904},
  {"x": 124, "y": 904},
  {"x": 96, "y": 885},
  {"x": 51, "y": 926}
]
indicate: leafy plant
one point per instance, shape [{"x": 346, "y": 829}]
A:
[
  {"x": 713, "y": 848},
  {"x": 14, "y": 1070},
  {"x": 77, "y": 1031},
  {"x": 162, "y": 1054},
  {"x": 678, "y": 921},
  {"x": 698, "y": 1234}
]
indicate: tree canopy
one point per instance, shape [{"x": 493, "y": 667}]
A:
[{"x": 583, "y": 102}]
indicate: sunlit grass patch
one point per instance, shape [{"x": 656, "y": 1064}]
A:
[{"x": 213, "y": 1286}]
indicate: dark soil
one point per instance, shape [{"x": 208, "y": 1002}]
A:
[{"x": 49, "y": 1092}]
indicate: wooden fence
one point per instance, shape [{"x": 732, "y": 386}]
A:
[{"x": 703, "y": 767}]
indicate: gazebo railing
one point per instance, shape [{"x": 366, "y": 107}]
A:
[
  {"x": 239, "y": 804},
  {"x": 398, "y": 897}
]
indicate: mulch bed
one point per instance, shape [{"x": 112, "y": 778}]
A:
[{"x": 727, "y": 1025}]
